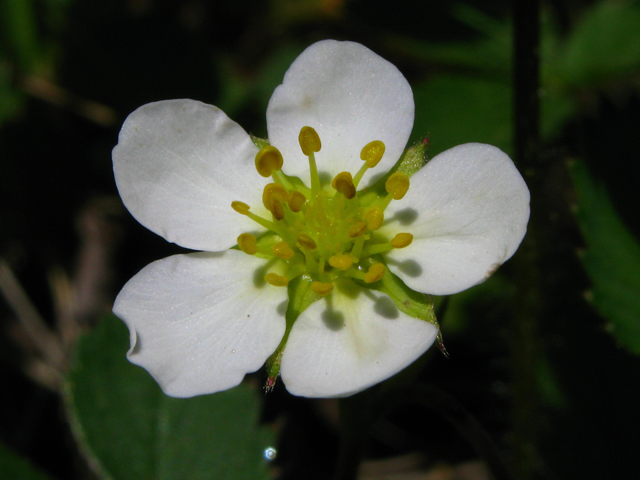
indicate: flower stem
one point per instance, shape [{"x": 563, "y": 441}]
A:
[
  {"x": 449, "y": 408},
  {"x": 355, "y": 420},
  {"x": 524, "y": 341}
]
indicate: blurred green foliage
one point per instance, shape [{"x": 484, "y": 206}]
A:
[
  {"x": 15, "y": 467},
  {"x": 131, "y": 430},
  {"x": 611, "y": 258}
]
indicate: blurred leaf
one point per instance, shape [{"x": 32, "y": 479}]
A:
[
  {"x": 18, "y": 22},
  {"x": 612, "y": 259},
  {"x": 131, "y": 430},
  {"x": 274, "y": 69},
  {"x": 491, "y": 53},
  {"x": 604, "y": 44},
  {"x": 10, "y": 100},
  {"x": 452, "y": 110},
  {"x": 14, "y": 467}
]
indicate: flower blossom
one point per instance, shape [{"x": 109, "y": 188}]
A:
[{"x": 316, "y": 248}]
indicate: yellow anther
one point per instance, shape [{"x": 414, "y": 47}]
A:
[
  {"x": 375, "y": 273},
  {"x": 343, "y": 183},
  {"x": 321, "y": 288},
  {"x": 341, "y": 261},
  {"x": 401, "y": 240},
  {"x": 397, "y": 185},
  {"x": 296, "y": 201},
  {"x": 274, "y": 197},
  {"x": 268, "y": 160},
  {"x": 283, "y": 250},
  {"x": 309, "y": 141},
  {"x": 306, "y": 241},
  {"x": 373, "y": 217},
  {"x": 357, "y": 229},
  {"x": 247, "y": 243},
  {"x": 372, "y": 153},
  {"x": 240, "y": 207},
  {"x": 276, "y": 280}
]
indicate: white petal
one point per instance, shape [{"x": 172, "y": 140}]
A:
[
  {"x": 178, "y": 166},
  {"x": 199, "y": 322},
  {"x": 350, "y": 341},
  {"x": 468, "y": 210},
  {"x": 351, "y": 96}
]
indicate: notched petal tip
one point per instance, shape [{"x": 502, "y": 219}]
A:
[
  {"x": 135, "y": 345},
  {"x": 197, "y": 322}
]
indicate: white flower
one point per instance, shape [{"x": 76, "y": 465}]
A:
[{"x": 200, "y": 322}]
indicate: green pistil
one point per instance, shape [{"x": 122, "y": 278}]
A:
[{"x": 328, "y": 226}]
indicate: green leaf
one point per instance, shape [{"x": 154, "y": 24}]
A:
[
  {"x": 611, "y": 259},
  {"x": 604, "y": 44},
  {"x": 11, "y": 101},
  {"x": 491, "y": 54},
  {"x": 130, "y": 430},
  {"x": 18, "y": 21},
  {"x": 14, "y": 467},
  {"x": 453, "y": 109}
]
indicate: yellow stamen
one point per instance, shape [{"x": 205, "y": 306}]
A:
[
  {"x": 247, "y": 243},
  {"x": 357, "y": 229},
  {"x": 309, "y": 141},
  {"x": 375, "y": 273},
  {"x": 276, "y": 280},
  {"x": 268, "y": 160},
  {"x": 274, "y": 197},
  {"x": 296, "y": 201},
  {"x": 306, "y": 241},
  {"x": 397, "y": 185},
  {"x": 283, "y": 250},
  {"x": 243, "y": 208},
  {"x": 343, "y": 183},
  {"x": 372, "y": 153},
  {"x": 321, "y": 288},
  {"x": 341, "y": 261},
  {"x": 401, "y": 240},
  {"x": 240, "y": 207},
  {"x": 374, "y": 217}
]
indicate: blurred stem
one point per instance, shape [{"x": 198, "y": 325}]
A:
[
  {"x": 448, "y": 407},
  {"x": 355, "y": 420},
  {"x": 523, "y": 335}
]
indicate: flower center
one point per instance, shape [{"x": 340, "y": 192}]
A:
[{"x": 323, "y": 233}]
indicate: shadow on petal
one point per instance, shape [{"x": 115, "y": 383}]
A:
[
  {"x": 325, "y": 178},
  {"x": 410, "y": 268},
  {"x": 259, "y": 273},
  {"x": 406, "y": 216},
  {"x": 281, "y": 309},
  {"x": 385, "y": 307},
  {"x": 333, "y": 319}
]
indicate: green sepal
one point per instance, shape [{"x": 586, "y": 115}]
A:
[
  {"x": 300, "y": 298},
  {"x": 412, "y": 160},
  {"x": 415, "y": 304},
  {"x": 259, "y": 142}
]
